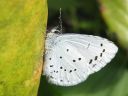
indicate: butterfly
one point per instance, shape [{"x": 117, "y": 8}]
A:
[{"x": 71, "y": 58}]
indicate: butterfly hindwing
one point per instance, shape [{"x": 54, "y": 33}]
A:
[
  {"x": 67, "y": 64},
  {"x": 74, "y": 57}
]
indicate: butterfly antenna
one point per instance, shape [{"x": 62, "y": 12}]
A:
[{"x": 60, "y": 22}]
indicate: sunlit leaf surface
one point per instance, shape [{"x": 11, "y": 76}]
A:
[{"x": 22, "y": 27}]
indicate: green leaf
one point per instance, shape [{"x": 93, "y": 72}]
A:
[
  {"x": 22, "y": 30},
  {"x": 115, "y": 13}
]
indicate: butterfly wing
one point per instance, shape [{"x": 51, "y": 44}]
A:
[
  {"x": 74, "y": 57},
  {"x": 63, "y": 67},
  {"x": 97, "y": 51}
]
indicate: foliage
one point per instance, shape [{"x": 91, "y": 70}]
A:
[{"x": 116, "y": 16}]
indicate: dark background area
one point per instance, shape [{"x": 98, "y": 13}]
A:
[{"x": 80, "y": 17}]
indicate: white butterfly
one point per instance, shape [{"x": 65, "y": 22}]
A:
[{"x": 71, "y": 58}]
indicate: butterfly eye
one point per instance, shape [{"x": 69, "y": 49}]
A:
[{"x": 55, "y": 31}]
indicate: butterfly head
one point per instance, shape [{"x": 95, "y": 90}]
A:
[
  {"x": 51, "y": 36},
  {"x": 53, "y": 32}
]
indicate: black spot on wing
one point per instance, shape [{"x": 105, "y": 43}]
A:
[
  {"x": 56, "y": 71},
  {"x": 79, "y": 59},
  {"x": 61, "y": 80},
  {"x": 51, "y": 77},
  {"x": 70, "y": 71},
  {"x": 90, "y": 61},
  {"x": 101, "y": 44},
  {"x": 75, "y": 69},
  {"x": 101, "y": 54},
  {"x": 93, "y": 65},
  {"x": 74, "y": 60},
  {"x": 103, "y": 50},
  {"x": 51, "y": 65},
  {"x": 96, "y": 57}
]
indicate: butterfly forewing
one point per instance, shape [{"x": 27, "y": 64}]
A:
[{"x": 99, "y": 51}]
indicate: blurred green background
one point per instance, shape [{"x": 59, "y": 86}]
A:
[{"x": 105, "y": 18}]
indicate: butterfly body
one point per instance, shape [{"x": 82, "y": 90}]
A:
[{"x": 71, "y": 58}]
